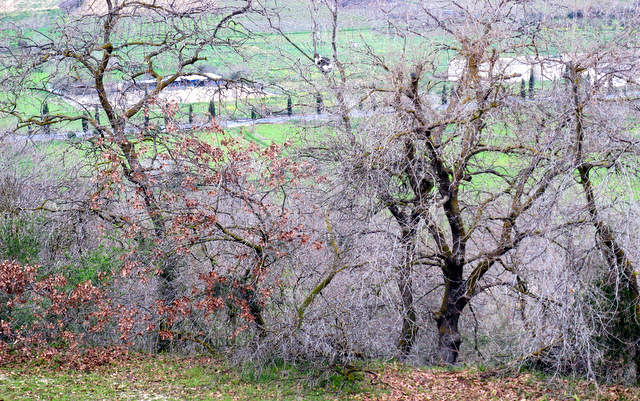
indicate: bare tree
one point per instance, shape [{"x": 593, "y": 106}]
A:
[
  {"x": 103, "y": 55},
  {"x": 597, "y": 120},
  {"x": 421, "y": 162},
  {"x": 434, "y": 216},
  {"x": 464, "y": 180}
]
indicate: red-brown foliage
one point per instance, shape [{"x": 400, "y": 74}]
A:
[{"x": 45, "y": 318}]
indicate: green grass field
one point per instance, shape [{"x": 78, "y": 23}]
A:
[
  {"x": 264, "y": 56},
  {"x": 260, "y": 58}
]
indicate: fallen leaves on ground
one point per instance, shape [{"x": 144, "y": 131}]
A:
[
  {"x": 417, "y": 384},
  {"x": 152, "y": 377}
]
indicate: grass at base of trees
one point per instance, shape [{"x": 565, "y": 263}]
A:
[{"x": 167, "y": 377}]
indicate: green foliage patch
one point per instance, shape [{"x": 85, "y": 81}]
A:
[{"x": 18, "y": 240}]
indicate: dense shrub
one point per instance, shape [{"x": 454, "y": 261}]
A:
[{"x": 44, "y": 317}]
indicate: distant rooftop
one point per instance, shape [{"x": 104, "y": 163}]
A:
[{"x": 207, "y": 76}]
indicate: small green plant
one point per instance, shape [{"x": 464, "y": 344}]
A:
[
  {"x": 95, "y": 265},
  {"x": 18, "y": 240}
]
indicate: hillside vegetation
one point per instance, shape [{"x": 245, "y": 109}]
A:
[{"x": 440, "y": 184}]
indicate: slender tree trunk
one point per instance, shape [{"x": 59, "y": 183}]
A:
[
  {"x": 447, "y": 318},
  {"x": 409, "y": 330},
  {"x": 255, "y": 309},
  {"x": 620, "y": 267},
  {"x": 167, "y": 293},
  {"x": 448, "y": 336},
  {"x": 409, "y": 327}
]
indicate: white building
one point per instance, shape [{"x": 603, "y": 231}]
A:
[{"x": 516, "y": 69}]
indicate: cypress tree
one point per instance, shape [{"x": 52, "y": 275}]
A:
[
  {"x": 45, "y": 117},
  {"x": 587, "y": 85},
  {"x": 568, "y": 73},
  {"x": 444, "y": 94},
  {"x": 212, "y": 108},
  {"x": 610, "y": 83},
  {"x": 532, "y": 82},
  {"x": 97, "y": 118},
  {"x": 146, "y": 109}
]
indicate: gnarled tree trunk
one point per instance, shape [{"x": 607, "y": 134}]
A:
[{"x": 447, "y": 318}]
